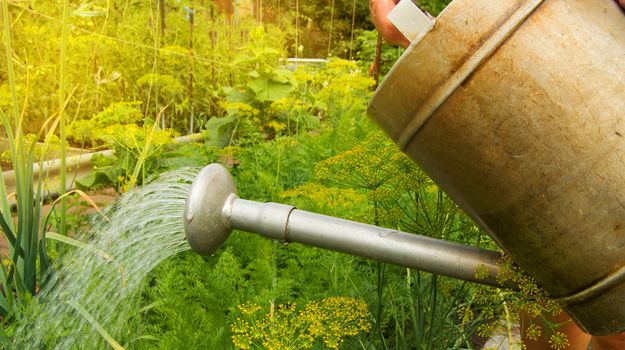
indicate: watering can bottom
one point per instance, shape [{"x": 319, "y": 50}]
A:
[{"x": 600, "y": 310}]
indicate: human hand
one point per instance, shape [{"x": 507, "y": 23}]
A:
[
  {"x": 379, "y": 10},
  {"x": 577, "y": 338},
  {"x": 611, "y": 342}
]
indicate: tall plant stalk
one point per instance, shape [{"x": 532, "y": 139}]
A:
[
  {"x": 9, "y": 57},
  {"x": 331, "y": 27},
  {"x": 62, "y": 133}
]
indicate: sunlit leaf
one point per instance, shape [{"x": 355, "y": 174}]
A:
[{"x": 88, "y": 10}]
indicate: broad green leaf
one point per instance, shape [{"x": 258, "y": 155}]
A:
[
  {"x": 219, "y": 130},
  {"x": 88, "y": 10},
  {"x": 234, "y": 95},
  {"x": 253, "y": 74},
  {"x": 94, "y": 179},
  {"x": 269, "y": 90}
]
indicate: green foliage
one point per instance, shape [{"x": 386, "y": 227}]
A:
[
  {"x": 190, "y": 290},
  {"x": 89, "y": 131},
  {"x": 118, "y": 52},
  {"x": 206, "y": 292},
  {"x": 23, "y": 270},
  {"x": 136, "y": 147},
  {"x": 42, "y": 150},
  {"x": 280, "y": 103},
  {"x": 530, "y": 300},
  {"x": 434, "y": 7},
  {"x": 166, "y": 92},
  {"x": 419, "y": 308},
  {"x": 327, "y": 321},
  {"x": 365, "y": 41}
]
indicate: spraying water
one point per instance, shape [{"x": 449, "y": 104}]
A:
[{"x": 90, "y": 297}]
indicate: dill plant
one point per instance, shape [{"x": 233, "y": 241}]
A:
[
  {"x": 419, "y": 308},
  {"x": 328, "y": 321},
  {"x": 422, "y": 308},
  {"x": 529, "y": 300}
]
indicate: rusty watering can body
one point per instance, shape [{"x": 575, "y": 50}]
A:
[{"x": 517, "y": 109}]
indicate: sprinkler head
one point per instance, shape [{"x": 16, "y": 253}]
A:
[{"x": 205, "y": 223}]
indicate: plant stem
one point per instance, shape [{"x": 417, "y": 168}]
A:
[
  {"x": 380, "y": 273},
  {"x": 331, "y": 25},
  {"x": 508, "y": 322},
  {"x": 378, "y": 61},
  {"x": 9, "y": 53},
  {"x": 413, "y": 312},
  {"x": 433, "y": 300},
  {"x": 62, "y": 133}
]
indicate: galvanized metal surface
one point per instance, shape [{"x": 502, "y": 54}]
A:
[
  {"x": 531, "y": 143},
  {"x": 394, "y": 247},
  {"x": 459, "y": 76},
  {"x": 213, "y": 210},
  {"x": 210, "y": 196}
]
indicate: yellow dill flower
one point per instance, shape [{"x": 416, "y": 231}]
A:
[
  {"x": 329, "y": 321},
  {"x": 558, "y": 341}
]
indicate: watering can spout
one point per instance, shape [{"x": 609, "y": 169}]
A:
[{"x": 213, "y": 210}]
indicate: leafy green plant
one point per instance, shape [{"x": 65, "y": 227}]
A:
[
  {"x": 137, "y": 149},
  {"x": 49, "y": 150},
  {"x": 264, "y": 81},
  {"x": 166, "y": 92},
  {"x": 88, "y": 132},
  {"x": 22, "y": 273}
]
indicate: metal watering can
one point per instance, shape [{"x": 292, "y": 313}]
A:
[{"x": 516, "y": 109}]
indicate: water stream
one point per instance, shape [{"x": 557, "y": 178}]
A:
[{"x": 95, "y": 290}]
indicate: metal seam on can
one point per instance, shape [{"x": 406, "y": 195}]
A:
[
  {"x": 441, "y": 94},
  {"x": 226, "y": 210},
  {"x": 286, "y": 226},
  {"x": 596, "y": 289}
]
